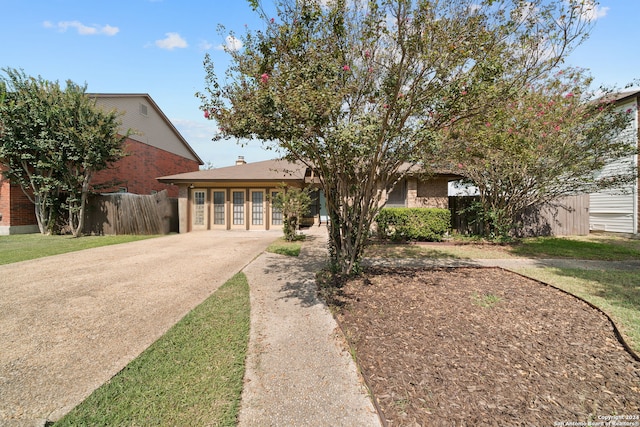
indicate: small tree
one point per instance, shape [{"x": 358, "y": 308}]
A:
[
  {"x": 294, "y": 204},
  {"x": 28, "y": 149},
  {"x": 52, "y": 142},
  {"x": 548, "y": 143},
  {"x": 91, "y": 140}
]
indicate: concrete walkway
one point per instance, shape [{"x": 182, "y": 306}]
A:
[
  {"x": 69, "y": 322},
  {"x": 299, "y": 371}
]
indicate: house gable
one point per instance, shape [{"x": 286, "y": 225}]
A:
[{"x": 142, "y": 115}]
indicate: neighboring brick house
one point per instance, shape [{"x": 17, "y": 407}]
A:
[
  {"x": 238, "y": 197},
  {"x": 155, "y": 149}
]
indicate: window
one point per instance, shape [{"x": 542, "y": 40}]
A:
[
  {"x": 398, "y": 196},
  {"x": 218, "y": 207},
  {"x": 276, "y": 213},
  {"x": 238, "y": 207},
  {"x": 143, "y": 110},
  {"x": 198, "y": 211},
  {"x": 257, "y": 208}
]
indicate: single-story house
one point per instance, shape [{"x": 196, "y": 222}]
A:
[
  {"x": 155, "y": 149},
  {"x": 618, "y": 210},
  {"x": 238, "y": 196}
]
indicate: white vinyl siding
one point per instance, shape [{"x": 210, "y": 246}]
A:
[{"x": 617, "y": 210}]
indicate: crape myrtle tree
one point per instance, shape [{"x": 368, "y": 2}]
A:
[
  {"x": 357, "y": 89},
  {"x": 91, "y": 141},
  {"x": 52, "y": 142},
  {"x": 294, "y": 204},
  {"x": 549, "y": 142}
]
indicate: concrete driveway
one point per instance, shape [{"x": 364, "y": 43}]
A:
[{"x": 68, "y": 323}]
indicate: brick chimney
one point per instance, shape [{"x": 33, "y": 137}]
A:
[{"x": 240, "y": 161}]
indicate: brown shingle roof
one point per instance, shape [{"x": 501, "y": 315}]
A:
[{"x": 268, "y": 170}]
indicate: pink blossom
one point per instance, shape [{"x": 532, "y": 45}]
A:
[
  {"x": 487, "y": 124},
  {"x": 464, "y": 92},
  {"x": 273, "y": 20},
  {"x": 629, "y": 110},
  {"x": 556, "y": 128},
  {"x": 370, "y": 69},
  {"x": 264, "y": 77},
  {"x": 367, "y": 53},
  {"x": 206, "y": 114},
  {"x": 346, "y": 68},
  {"x": 386, "y": 105},
  {"x": 569, "y": 95},
  {"x": 460, "y": 165}
]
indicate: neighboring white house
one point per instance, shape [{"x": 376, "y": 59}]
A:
[{"x": 617, "y": 210}]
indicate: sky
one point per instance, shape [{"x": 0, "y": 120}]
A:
[{"x": 158, "y": 47}]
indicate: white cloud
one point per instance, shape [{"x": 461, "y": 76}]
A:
[
  {"x": 593, "y": 11},
  {"x": 205, "y": 45},
  {"x": 172, "y": 41},
  {"x": 232, "y": 43},
  {"x": 82, "y": 29}
]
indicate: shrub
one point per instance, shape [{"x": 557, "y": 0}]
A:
[{"x": 422, "y": 224}]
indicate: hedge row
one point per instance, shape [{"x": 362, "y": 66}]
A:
[{"x": 422, "y": 224}]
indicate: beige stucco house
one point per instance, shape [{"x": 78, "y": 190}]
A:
[{"x": 239, "y": 197}]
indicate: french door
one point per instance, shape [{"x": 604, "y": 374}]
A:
[{"x": 200, "y": 218}]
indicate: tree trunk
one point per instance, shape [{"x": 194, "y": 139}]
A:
[
  {"x": 43, "y": 215},
  {"x": 76, "y": 213}
]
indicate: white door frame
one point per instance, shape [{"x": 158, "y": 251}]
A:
[
  {"x": 257, "y": 217},
  {"x": 225, "y": 219},
  {"x": 200, "y": 209},
  {"x": 238, "y": 211}
]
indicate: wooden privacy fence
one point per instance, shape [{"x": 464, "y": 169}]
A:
[
  {"x": 125, "y": 213},
  {"x": 565, "y": 217}
]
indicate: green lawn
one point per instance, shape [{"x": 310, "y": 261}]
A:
[
  {"x": 284, "y": 247},
  {"x": 22, "y": 247},
  {"x": 191, "y": 376},
  {"x": 593, "y": 247}
]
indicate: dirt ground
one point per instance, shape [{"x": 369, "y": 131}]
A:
[{"x": 473, "y": 346}]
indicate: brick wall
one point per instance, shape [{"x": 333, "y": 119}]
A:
[
  {"x": 16, "y": 209},
  {"x": 4, "y": 202},
  {"x": 432, "y": 193},
  {"x": 138, "y": 171},
  {"x": 22, "y": 210}
]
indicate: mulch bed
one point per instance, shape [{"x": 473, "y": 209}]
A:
[{"x": 472, "y": 346}]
